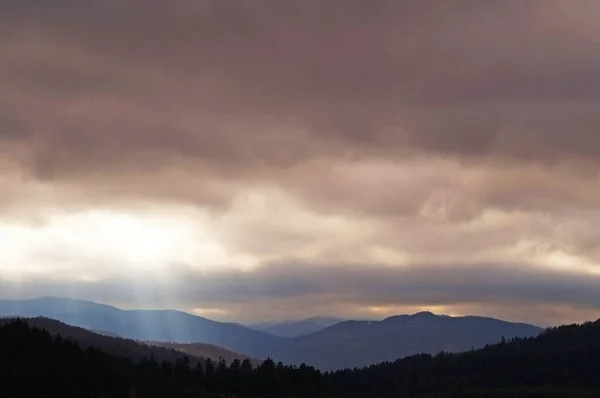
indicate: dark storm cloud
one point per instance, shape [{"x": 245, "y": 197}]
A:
[
  {"x": 423, "y": 284},
  {"x": 387, "y": 77},
  {"x": 104, "y": 94}
]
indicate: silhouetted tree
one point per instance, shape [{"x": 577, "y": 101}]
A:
[{"x": 561, "y": 362}]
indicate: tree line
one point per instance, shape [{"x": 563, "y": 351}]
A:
[{"x": 561, "y": 362}]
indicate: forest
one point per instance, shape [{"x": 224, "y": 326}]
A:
[{"x": 561, "y": 362}]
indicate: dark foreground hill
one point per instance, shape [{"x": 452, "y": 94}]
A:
[
  {"x": 146, "y": 325},
  {"x": 346, "y": 344},
  {"x": 562, "y": 362},
  {"x": 205, "y": 351},
  {"x": 135, "y": 350},
  {"x": 117, "y": 346},
  {"x": 33, "y": 363}
]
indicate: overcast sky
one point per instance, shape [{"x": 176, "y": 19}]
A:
[{"x": 277, "y": 159}]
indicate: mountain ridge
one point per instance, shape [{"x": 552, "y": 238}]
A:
[
  {"x": 346, "y": 344},
  {"x": 146, "y": 325},
  {"x": 129, "y": 348},
  {"x": 352, "y": 344},
  {"x": 298, "y": 327},
  {"x": 560, "y": 362}
]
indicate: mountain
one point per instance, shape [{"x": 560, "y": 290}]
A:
[
  {"x": 147, "y": 325},
  {"x": 297, "y": 328},
  {"x": 343, "y": 345},
  {"x": 560, "y": 362},
  {"x": 134, "y": 349},
  {"x": 105, "y": 333},
  {"x": 116, "y": 346},
  {"x": 361, "y": 343},
  {"x": 33, "y": 363},
  {"x": 206, "y": 351}
]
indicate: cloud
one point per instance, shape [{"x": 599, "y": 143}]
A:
[
  {"x": 396, "y": 134},
  {"x": 103, "y": 97},
  {"x": 356, "y": 291}
]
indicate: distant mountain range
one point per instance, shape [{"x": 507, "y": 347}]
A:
[
  {"x": 297, "y": 328},
  {"x": 346, "y": 344},
  {"x": 362, "y": 343},
  {"x": 560, "y": 362},
  {"x": 146, "y": 325}
]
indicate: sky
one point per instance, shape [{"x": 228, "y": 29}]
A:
[{"x": 276, "y": 159}]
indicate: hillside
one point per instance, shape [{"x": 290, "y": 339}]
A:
[
  {"x": 206, "y": 351},
  {"x": 561, "y": 362},
  {"x": 297, "y": 328},
  {"x": 360, "y": 343},
  {"x": 33, "y": 363},
  {"x": 128, "y": 348},
  {"x": 146, "y": 325},
  {"x": 346, "y": 344}
]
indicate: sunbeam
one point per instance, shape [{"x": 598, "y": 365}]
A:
[{"x": 98, "y": 244}]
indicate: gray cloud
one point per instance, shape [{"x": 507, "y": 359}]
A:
[
  {"x": 294, "y": 285},
  {"x": 219, "y": 84},
  {"x": 528, "y": 91}
]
